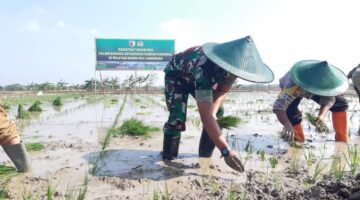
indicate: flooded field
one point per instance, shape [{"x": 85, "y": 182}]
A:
[{"x": 80, "y": 158}]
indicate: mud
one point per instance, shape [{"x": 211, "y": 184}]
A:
[{"x": 132, "y": 168}]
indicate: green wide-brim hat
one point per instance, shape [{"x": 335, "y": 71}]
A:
[
  {"x": 241, "y": 58},
  {"x": 319, "y": 77}
]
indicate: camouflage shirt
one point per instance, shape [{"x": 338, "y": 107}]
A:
[
  {"x": 196, "y": 69},
  {"x": 290, "y": 91}
]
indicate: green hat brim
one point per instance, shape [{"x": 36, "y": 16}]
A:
[
  {"x": 319, "y": 78},
  {"x": 246, "y": 65}
]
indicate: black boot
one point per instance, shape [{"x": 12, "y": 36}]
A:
[
  {"x": 170, "y": 147},
  {"x": 17, "y": 154},
  {"x": 206, "y": 146}
]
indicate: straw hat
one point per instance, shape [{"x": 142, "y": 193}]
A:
[
  {"x": 319, "y": 77},
  {"x": 241, "y": 58}
]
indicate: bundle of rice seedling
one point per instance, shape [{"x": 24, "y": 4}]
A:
[
  {"x": 57, "y": 102},
  {"x": 133, "y": 127},
  {"x": 35, "y": 107},
  {"x": 319, "y": 127},
  {"x": 5, "y": 106},
  {"x": 34, "y": 147},
  {"x": 22, "y": 114},
  {"x": 229, "y": 122}
]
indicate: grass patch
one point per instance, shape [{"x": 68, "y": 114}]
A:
[
  {"x": 319, "y": 127},
  {"x": 229, "y": 122},
  {"x": 22, "y": 113},
  {"x": 57, "y": 102},
  {"x": 34, "y": 147},
  {"x": 7, "y": 172},
  {"x": 133, "y": 127},
  {"x": 35, "y": 107}
]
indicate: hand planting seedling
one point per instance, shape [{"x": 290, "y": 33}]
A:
[{"x": 319, "y": 127}]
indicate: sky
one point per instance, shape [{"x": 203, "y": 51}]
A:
[{"x": 44, "y": 40}]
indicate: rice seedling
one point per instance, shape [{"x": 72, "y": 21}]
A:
[
  {"x": 213, "y": 185},
  {"x": 78, "y": 193},
  {"x": 249, "y": 147},
  {"x": 273, "y": 162},
  {"x": 114, "y": 101},
  {"x": 228, "y": 122},
  {"x": 3, "y": 194},
  {"x": 134, "y": 127},
  {"x": 34, "y": 147},
  {"x": 7, "y": 172},
  {"x": 262, "y": 154},
  {"x": 5, "y": 106},
  {"x": 295, "y": 165},
  {"x": 84, "y": 188},
  {"x": 50, "y": 191},
  {"x": 57, "y": 102},
  {"x": 231, "y": 192},
  {"x": 319, "y": 168},
  {"x": 309, "y": 157},
  {"x": 22, "y": 114},
  {"x": 28, "y": 195},
  {"x": 156, "y": 195},
  {"x": 352, "y": 159},
  {"x": 191, "y": 106},
  {"x": 319, "y": 127},
  {"x": 337, "y": 168},
  {"x": 35, "y": 107},
  {"x": 167, "y": 193}
]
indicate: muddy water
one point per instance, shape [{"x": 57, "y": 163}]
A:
[{"x": 72, "y": 136}]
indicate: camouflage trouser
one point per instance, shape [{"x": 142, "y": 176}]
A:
[
  {"x": 7, "y": 128},
  {"x": 176, "y": 95}
]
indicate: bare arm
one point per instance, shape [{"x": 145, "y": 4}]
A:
[
  {"x": 210, "y": 124},
  {"x": 322, "y": 113}
]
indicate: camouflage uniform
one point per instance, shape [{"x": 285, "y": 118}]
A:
[
  {"x": 189, "y": 72},
  {"x": 7, "y": 128},
  {"x": 354, "y": 74}
]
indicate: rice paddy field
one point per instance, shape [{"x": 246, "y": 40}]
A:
[{"x": 108, "y": 147}]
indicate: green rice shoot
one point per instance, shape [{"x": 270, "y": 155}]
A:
[
  {"x": 35, "y": 107},
  {"x": 30, "y": 147},
  {"x": 133, "y": 127},
  {"x": 228, "y": 122},
  {"x": 57, "y": 102},
  {"x": 22, "y": 114},
  {"x": 319, "y": 127},
  {"x": 7, "y": 172}
]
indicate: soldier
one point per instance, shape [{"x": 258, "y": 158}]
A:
[
  {"x": 207, "y": 73},
  {"x": 354, "y": 75},
  {"x": 11, "y": 143},
  {"x": 319, "y": 81}
]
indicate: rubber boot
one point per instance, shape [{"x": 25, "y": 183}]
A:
[
  {"x": 298, "y": 133},
  {"x": 206, "y": 145},
  {"x": 17, "y": 154},
  {"x": 170, "y": 147},
  {"x": 339, "y": 120}
]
